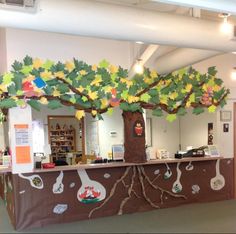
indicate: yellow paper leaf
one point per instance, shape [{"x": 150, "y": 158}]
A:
[
  {"x": 56, "y": 93},
  {"x": 3, "y": 88},
  {"x": 216, "y": 88},
  {"x": 153, "y": 74},
  {"x": 188, "y": 87},
  {"x": 69, "y": 66},
  {"x": 188, "y": 104},
  {"x": 212, "y": 109},
  {"x": 37, "y": 63},
  {"x": 94, "y": 67},
  {"x": 164, "y": 99},
  {"x": 43, "y": 101},
  {"x": 29, "y": 78},
  {"x": 94, "y": 112},
  {"x": 204, "y": 87},
  {"x": 79, "y": 114},
  {"x": 113, "y": 69},
  {"x": 83, "y": 72},
  {"x": 104, "y": 103},
  {"x": 97, "y": 81},
  {"x": 80, "y": 89},
  {"x": 92, "y": 95},
  {"x": 46, "y": 75},
  {"x": 174, "y": 95},
  {"x": 132, "y": 99},
  {"x": 108, "y": 89},
  {"x": 59, "y": 74}
]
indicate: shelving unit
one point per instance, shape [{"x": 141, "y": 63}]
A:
[{"x": 62, "y": 141}]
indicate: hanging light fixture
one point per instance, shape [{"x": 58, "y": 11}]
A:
[
  {"x": 138, "y": 67},
  {"x": 233, "y": 74},
  {"x": 225, "y": 26}
]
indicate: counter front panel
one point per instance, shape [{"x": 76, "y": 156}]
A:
[{"x": 43, "y": 198}]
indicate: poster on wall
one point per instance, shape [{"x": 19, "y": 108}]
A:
[{"x": 22, "y": 143}]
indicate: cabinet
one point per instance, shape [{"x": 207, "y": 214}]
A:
[{"x": 62, "y": 140}]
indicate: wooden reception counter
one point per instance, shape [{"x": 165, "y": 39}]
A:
[{"x": 85, "y": 191}]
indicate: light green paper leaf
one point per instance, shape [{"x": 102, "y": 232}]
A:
[
  {"x": 73, "y": 100},
  {"x": 19, "y": 92},
  {"x": 145, "y": 97},
  {"x": 171, "y": 117},
  {"x": 26, "y": 70},
  {"x": 212, "y": 109},
  {"x": 110, "y": 111},
  {"x": 124, "y": 94},
  {"x": 48, "y": 64},
  {"x": 85, "y": 99},
  {"x": 20, "y": 102},
  {"x": 7, "y": 78},
  {"x": 104, "y": 64},
  {"x": 192, "y": 98}
]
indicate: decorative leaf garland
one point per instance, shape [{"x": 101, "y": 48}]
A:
[{"x": 96, "y": 89}]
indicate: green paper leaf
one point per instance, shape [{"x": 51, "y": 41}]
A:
[
  {"x": 54, "y": 104},
  {"x": 198, "y": 110},
  {"x": 110, "y": 111},
  {"x": 104, "y": 64},
  {"x": 28, "y": 61},
  {"x": 99, "y": 117},
  {"x": 153, "y": 92},
  {"x": 211, "y": 109},
  {"x": 157, "y": 112},
  {"x": 171, "y": 117},
  {"x": 218, "y": 81},
  {"x": 63, "y": 88},
  {"x": 17, "y": 66},
  {"x": 124, "y": 106},
  {"x": 212, "y": 71},
  {"x": 7, "y": 78},
  {"x": 34, "y": 104},
  {"x": 11, "y": 89},
  {"x": 181, "y": 111},
  {"x": 7, "y": 103},
  {"x": 145, "y": 97}
]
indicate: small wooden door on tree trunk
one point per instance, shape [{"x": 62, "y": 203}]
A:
[{"x": 134, "y": 137}]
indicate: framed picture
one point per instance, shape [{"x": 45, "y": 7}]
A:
[
  {"x": 225, "y": 115},
  {"x": 118, "y": 152}
]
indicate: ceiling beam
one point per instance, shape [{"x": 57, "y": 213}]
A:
[{"x": 224, "y": 6}]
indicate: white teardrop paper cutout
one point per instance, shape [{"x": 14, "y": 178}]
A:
[
  {"x": 58, "y": 187},
  {"x": 90, "y": 191},
  {"x": 177, "y": 186},
  {"x": 228, "y": 162},
  {"x": 189, "y": 167},
  {"x": 217, "y": 182},
  {"x": 168, "y": 172},
  {"x": 35, "y": 180},
  {"x": 72, "y": 185},
  {"x": 156, "y": 172},
  {"x": 21, "y": 192},
  {"x": 107, "y": 175},
  {"x": 60, "y": 208},
  {"x": 195, "y": 189}
]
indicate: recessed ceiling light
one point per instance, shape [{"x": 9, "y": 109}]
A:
[
  {"x": 233, "y": 74},
  {"x": 139, "y": 42}
]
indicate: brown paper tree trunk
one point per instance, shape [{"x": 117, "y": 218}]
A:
[{"x": 134, "y": 137}]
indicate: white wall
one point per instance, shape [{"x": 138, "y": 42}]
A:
[
  {"x": 3, "y": 68},
  {"x": 194, "y": 129},
  {"x": 110, "y": 123},
  {"x": 164, "y": 134}
]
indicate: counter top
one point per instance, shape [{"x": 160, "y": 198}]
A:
[
  {"x": 4, "y": 169},
  {"x": 115, "y": 164},
  {"x": 123, "y": 164}
]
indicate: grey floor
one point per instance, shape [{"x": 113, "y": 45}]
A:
[{"x": 217, "y": 217}]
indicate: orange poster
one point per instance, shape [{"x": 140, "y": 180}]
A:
[
  {"x": 23, "y": 154},
  {"x": 22, "y": 143}
]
